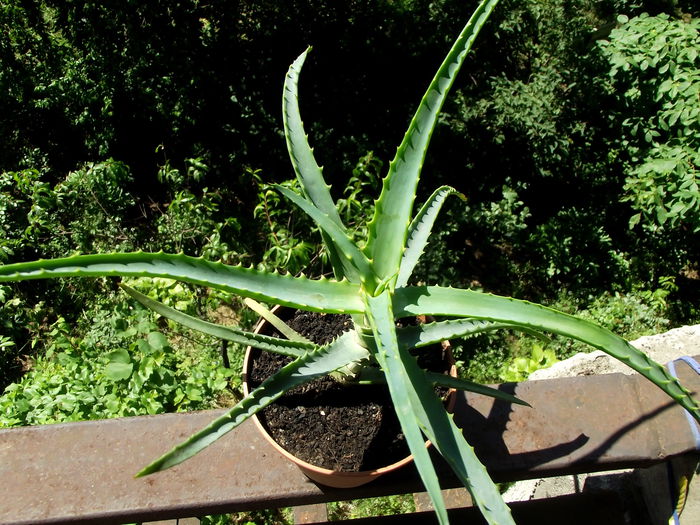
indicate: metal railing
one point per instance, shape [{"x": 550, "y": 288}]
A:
[{"x": 83, "y": 472}]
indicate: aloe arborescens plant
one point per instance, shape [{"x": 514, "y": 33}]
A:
[{"x": 371, "y": 284}]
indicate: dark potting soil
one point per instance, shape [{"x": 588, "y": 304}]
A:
[{"x": 326, "y": 423}]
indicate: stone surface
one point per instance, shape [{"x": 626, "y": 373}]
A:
[
  {"x": 646, "y": 491},
  {"x": 454, "y": 499},
  {"x": 662, "y": 348}
]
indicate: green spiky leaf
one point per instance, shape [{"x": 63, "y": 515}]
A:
[
  {"x": 375, "y": 376},
  {"x": 311, "y": 365},
  {"x": 387, "y": 349},
  {"x": 416, "y": 404},
  {"x": 419, "y": 232},
  {"x": 416, "y": 336},
  {"x": 436, "y": 300},
  {"x": 298, "y": 292},
  {"x": 308, "y": 172},
  {"x": 264, "y": 342},
  {"x": 470, "y": 386},
  {"x": 389, "y": 226}
]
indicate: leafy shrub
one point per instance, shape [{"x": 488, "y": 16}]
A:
[
  {"x": 481, "y": 358},
  {"x": 18, "y": 193},
  {"x": 631, "y": 315},
  {"x": 167, "y": 291},
  {"x": 655, "y": 62},
  {"x": 123, "y": 367},
  {"x": 88, "y": 211},
  {"x": 191, "y": 224},
  {"x": 284, "y": 248},
  {"x": 534, "y": 111},
  {"x": 564, "y": 253},
  {"x": 92, "y": 209},
  {"x": 356, "y": 207},
  {"x": 284, "y": 516},
  {"x": 664, "y": 188},
  {"x": 193, "y": 221}
]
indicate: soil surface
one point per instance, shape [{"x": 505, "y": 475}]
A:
[{"x": 326, "y": 423}]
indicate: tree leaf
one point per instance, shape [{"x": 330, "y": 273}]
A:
[{"x": 157, "y": 341}]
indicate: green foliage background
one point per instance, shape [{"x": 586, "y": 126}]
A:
[{"x": 574, "y": 133}]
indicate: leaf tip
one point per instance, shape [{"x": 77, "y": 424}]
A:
[{"x": 144, "y": 472}]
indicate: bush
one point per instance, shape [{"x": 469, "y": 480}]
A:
[
  {"x": 123, "y": 366},
  {"x": 655, "y": 63}
]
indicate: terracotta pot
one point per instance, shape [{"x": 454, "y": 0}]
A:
[{"x": 327, "y": 477}]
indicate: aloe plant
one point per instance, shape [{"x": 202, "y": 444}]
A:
[{"x": 370, "y": 284}]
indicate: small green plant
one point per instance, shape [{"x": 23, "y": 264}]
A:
[
  {"x": 365, "y": 508},
  {"x": 372, "y": 285},
  {"x": 357, "y": 205},
  {"x": 521, "y": 367}
]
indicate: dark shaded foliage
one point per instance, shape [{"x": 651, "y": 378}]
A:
[{"x": 154, "y": 84}]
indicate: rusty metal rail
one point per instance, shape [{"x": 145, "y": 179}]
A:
[{"x": 82, "y": 472}]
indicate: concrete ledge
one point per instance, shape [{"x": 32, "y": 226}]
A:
[
  {"x": 82, "y": 472},
  {"x": 578, "y": 424}
]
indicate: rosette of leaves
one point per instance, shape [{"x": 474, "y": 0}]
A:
[{"x": 370, "y": 284}]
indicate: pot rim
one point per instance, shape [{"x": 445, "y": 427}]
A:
[
  {"x": 305, "y": 465},
  {"x": 346, "y": 479}
]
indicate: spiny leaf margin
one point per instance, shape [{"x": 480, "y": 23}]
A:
[
  {"x": 424, "y": 334},
  {"x": 437, "y": 300},
  {"x": 388, "y": 228},
  {"x": 320, "y": 295},
  {"x": 311, "y": 365},
  {"x": 419, "y": 231},
  {"x": 308, "y": 172}
]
